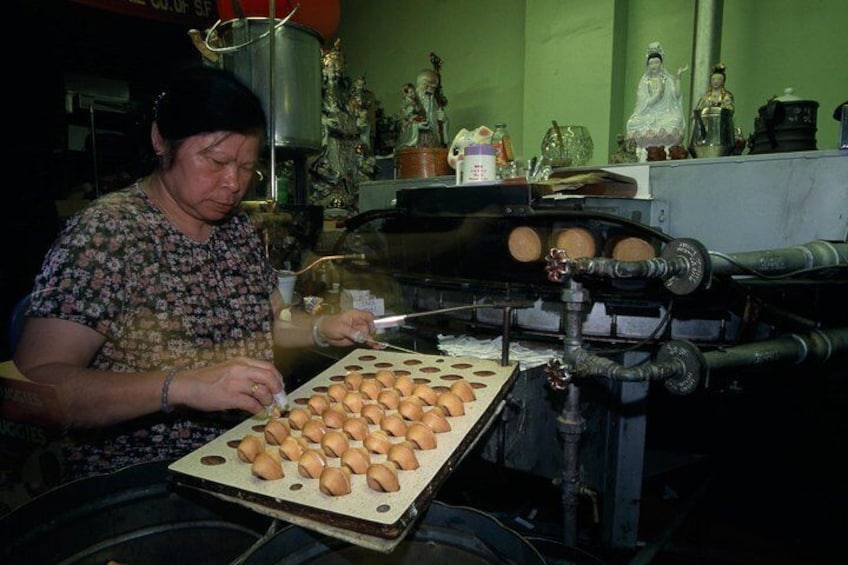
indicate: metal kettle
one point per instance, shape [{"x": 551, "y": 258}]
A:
[{"x": 712, "y": 132}]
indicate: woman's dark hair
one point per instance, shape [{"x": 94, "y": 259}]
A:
[
  {"x": 205, "y": 100},
  {"x": 654, "y": 56}
]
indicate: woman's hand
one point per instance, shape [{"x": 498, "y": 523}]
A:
[
  {"x": 344, "y": 329},
  {"x": 240, "y": 383}
]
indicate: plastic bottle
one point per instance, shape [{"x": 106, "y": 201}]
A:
[
  {"x": 334, "y": 299},
  {"x": 503, "y": 144}
]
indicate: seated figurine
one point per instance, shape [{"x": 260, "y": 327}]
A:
[{"x": 658, "y": 119}]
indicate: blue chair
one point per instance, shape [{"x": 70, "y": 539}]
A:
[{"x": 16, "y": 322}]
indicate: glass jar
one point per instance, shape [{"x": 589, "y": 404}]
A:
[{"x": 503, "y": 145}]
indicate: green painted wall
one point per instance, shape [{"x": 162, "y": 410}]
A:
[
  {"x": 568, "y": 66},
  {"x": 527, "y": 62},
  {"x": 774, "y": 44},
  {"x": 481, "y": 45}
]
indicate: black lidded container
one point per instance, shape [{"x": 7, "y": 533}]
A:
[{"x": 785, "y": 123}]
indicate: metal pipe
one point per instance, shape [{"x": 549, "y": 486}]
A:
[
  {"x": 706, "y": 50},
  {"x": 687, "y": 266},
  {"x": 561, "y": 267},
  {"x": 781, "y": 261},
  {"x": 818, "y": 345},
  {"x": 316, "y": 262},
  {"x": 586, "y": 364},
  {"x": 272, "y": 20},
  {"x": 571, "y": 426},
  {"x": 575, "y": 298},
  {"x": 570, "y": 422},
  {"x": 507, "y": 323}
]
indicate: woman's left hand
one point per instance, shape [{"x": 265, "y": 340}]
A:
[{"x": 344, "y": 329}]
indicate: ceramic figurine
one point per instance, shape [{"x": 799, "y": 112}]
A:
[
  {"x": 346, "y": 158},
  {"x": 658, "y": 118},
  {"x": 364, "y": 104},
  {"x": 712, "y": 132},
  {"x": 463, "y": 139},
  {"x": 717, "y": 94},
  {"x": 422, "y": 116}
]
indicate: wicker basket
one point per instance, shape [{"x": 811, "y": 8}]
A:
[{"x": 422, "y": 162}]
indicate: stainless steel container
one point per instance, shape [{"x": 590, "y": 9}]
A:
[
  {"x": 297, "y": 94},
  {"x": 712, "y": 132}
]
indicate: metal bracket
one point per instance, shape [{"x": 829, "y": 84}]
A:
[
  {"x": 693, "y": 364},
  {"x": 698, "y": 273}
]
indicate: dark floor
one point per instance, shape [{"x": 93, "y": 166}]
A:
[
  {"x": 753, "y": 475},
  {"x": 731, "y": 512}
]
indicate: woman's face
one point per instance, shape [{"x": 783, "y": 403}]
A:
[{"x": 210, "y": 173}]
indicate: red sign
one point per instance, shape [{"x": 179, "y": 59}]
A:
[{"x": 196, "y": 13}]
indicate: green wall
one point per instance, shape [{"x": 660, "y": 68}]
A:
[
  {"x": 482, "y": 50},
  {"x": 568, "y": 74},
  {"x": 526, "y": 62},
  {"x": 769, "y": 46}
]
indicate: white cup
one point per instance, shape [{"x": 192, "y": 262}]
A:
[
  {"x": 477, "y": 164},
  {"x": 285, "y": 283}
]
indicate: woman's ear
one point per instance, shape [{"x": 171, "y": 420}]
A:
[{"x": 159, "y": 145}]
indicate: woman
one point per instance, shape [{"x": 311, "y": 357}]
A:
[
  {"x": 657, "y": 119},
  {"x": 158, "y": 297}
]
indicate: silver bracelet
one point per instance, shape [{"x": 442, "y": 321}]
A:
[
  {"x": 316, "y": 336},
  {"x": 166, "y": 385}
]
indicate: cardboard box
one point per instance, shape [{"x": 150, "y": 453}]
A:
[
  {"x": 28, "y": 410},
  {"x": 30, "y": 439},
  {"x": 362, "y": 300}
]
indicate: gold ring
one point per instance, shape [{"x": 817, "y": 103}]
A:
[{"x": 254, "y": 388}]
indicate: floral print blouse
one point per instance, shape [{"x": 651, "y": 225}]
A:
[{"x": 161, "y": 300}]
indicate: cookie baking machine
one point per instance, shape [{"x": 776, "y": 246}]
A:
[{"x": 643, "y": 312}]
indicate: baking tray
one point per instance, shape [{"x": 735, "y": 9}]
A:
[{"x": 365, "y": 517}]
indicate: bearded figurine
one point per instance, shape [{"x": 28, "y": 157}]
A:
[{"x": 423, "y": 122}]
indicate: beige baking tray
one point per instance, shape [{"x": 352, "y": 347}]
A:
[{"x": 364, "y": 517}]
